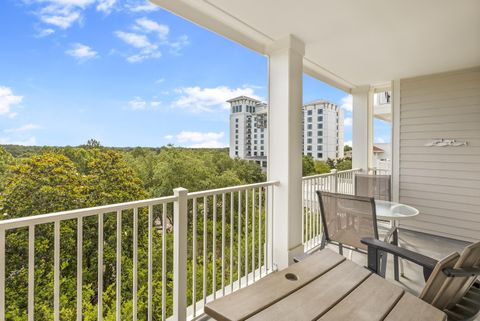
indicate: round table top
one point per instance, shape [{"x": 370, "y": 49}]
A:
[{"x": 394, "y": 211}]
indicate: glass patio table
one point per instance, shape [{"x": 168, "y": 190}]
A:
[{"x": 394, "y": 212}]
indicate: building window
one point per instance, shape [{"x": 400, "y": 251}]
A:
[
  {"x": 309, "y": 147},
  {"x": 309, "y": 112},
  {"x": 320, "y": 155},
  {"x": 236, "y": 120},
  {"x": 309, "y": 134},
  {"x": 255, "y": 136},
  {"x": 320, "y": 147},
  {"x": 320, "y": 118},
  {"x": 261, "y": 136},
  {"x": 309, "y": 126},
  {"x": 309, "y": 119},
  {"x": 319, "y": 140},
  {"x": 236, "y": 153},
  {"x": 236, "y": 142},
  {"x": 236, "y": 136},
  {"x": 309, "y": 154},
  {"x": 236, "y": 147},
  {"x": 264, "y": 164},
  {"x": 239, "y": 109},
  {"x": 236, "y": 125},
  {"x": 254, "y": 153},
  {"x": 255, "y": 147},
  {"x": 236, "y": 131},
  {"x": 320, "y": 111},
  {"x": 254, "y": 141},
  {"x": 255, "y": 130},
  {"x": 309, "y": 141},
  {"x": 261, "y": 147},
  {"x": 320, "y": 126},
  {"x": 320, "y": 133},
  {"x": 261, "y": 142},
  {"x": 261, "y": 154}
]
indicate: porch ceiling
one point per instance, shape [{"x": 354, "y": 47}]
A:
[{"x": 351, "y": 42}]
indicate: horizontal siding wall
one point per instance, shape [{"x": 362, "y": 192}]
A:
[{"x": 442, "y": 182}]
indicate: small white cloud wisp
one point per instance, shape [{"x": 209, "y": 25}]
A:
[{"x": 8, "y": 100}]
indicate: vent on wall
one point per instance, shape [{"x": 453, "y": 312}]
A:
[{"x": 442, "y": 142}]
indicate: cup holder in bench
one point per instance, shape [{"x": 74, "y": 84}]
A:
[{"x": 291, "y": 277}]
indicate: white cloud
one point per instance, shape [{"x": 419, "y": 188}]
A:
[
  {"x": 106, "y": 6},
  {"x": 81, "y": 52},
  {"x": 347, "y": 103},
  {"x": 141, "y": 6},
  {"x": 24, "y": 128},
  {"x": 169, "y": 137},
  {"x": 159, "y": 81},
  {"x": 26, "y": 142},
  {"x": 146, "y": 25},
  {"x": 8, "y": 100},
  {"x": 137, "y": 104},
  {"x": 148, "y": 36},
  {"x": 155, "y": 103},
  {"x": 45, "y": 33},
  {"x": 347, "y": 121},
  {"x": 349, "y": 143},
  {"x": 200, "y": 139},
  {"x": 208, "y": 99},
  {"x": 380, "y": 140}
]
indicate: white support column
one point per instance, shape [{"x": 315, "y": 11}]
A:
[
  {"x": 362, "y": 128},
  {"x": 396, "y": 140},
  {"x": 180, "y": 230},
  {"x": 285, "y": 146}
]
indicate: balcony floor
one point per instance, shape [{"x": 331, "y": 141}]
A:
[{"x": 434, "y": 246}]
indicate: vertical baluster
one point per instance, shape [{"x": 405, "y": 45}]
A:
[
  {"x": 194, "y": 258},
  {"x": 135, "y": 265},
  {"x": 260, "y": 230},
  {"x": 223, "y": 244},
  {"x": 150, "y": 264},
  {"x": 231, "y": 241},
  {"x": 253, "y": 233},
  {"x": 267, "y": 226},
  {"x": 303, "y": 211},
  {"x": 164, "y": 261},
  {"x": 204, "y": 276},
  {"x": 239, "y": 240},
  {"x": 310, "y": 221},
  {"x": 2, "y": 274},
  {"x": 31, "y": 272},
  {"x": 246, "y": 236},
  {"x": 214, "y": 246},
  {"x": 118, "y": 294},
  {"x": 56, "y": 272},
  {"x": 79, "y": 267},
  {"x": 272, "y": 222},
  {"x": 100, "y": 268}
]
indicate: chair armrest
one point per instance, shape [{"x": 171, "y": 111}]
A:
[
  {"x": 467, "y": 271},
  {"x": 375, "y": 247}
]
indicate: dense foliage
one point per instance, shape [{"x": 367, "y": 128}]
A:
[{"x": 42, "y": 180}]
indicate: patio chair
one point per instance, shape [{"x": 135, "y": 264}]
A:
[
  {"x": 451, "y": 283},
  {"x": 376, "y": 186}
]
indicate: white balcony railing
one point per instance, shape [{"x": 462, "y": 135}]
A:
[
  {"x": 189, "y": 249},
  {"x": 336, "y": 182},
  {"x": 224, "y": 235}
]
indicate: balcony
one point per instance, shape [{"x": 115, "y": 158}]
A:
[{"x": 257, "y": 229}]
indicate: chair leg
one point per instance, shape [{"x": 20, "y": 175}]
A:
[
  {"x": 395, "y": 258},
  {"x": 383, "y": 264},
  {"x": 323, "y": 241},
  {"x": 340, "y": 248}
]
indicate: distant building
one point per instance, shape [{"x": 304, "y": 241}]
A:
[{"x": 322, "y": 130}]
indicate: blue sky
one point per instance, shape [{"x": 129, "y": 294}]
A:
[{"x": 125, "y": 73}]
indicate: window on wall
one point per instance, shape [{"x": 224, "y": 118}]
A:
[
  {"x": 309, "y": 141},
  {"x": 320, "y": 133},
  {"x": 320, "y": 118},
  {"x": 309, "y": 126},
  {"x": 320, "y": 111},
  {"x": 320, "y": 147},
  {"x": 309, "y": 112},
  {"x": 320, "y": 155},
  {"x": 320, "y": 126},
  {"x": 309, "y": 134},
  {"x": 309, "y": 119},
  {"x": 309, "y": 147},
  {"x": 319, "y": 140}
]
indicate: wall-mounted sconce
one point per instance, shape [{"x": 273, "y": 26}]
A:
[{"x": 442, "y": 142}]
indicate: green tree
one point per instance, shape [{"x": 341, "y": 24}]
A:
[
  {"x": 308, "y": 165},
  {"x": 6, "y": 161},
  {"x": 322, "y": 167},
  {"x": 344, "y": 164},
  {"x": 347, "y": 148}
]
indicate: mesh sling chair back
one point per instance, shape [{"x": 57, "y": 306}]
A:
[
  {"x": 346, "y": 219},
  {"x": 376, "y": 186},
  {"x": 450, "y": 284}
]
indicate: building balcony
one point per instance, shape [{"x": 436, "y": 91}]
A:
[{"x": 202, "y": 263}]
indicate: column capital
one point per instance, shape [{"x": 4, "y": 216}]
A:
[
  {"x": 364, "y": 89},
  {"x": 289, "y": 42}
]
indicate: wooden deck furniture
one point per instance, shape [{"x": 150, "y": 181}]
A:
[
  {"x": 449, "y": 282},
  {"x": 324, "y": 286}
]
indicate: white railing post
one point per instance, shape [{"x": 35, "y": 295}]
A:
[
  {"x": 334, "y": 182},
  {"x": 180, "y": 229}
]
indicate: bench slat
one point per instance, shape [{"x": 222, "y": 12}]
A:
[
  {"x": 317, "y": 297},
  {"x": 370, "y": 301},
  {"x": 248, "y": 301},
  {"x": 410, "y": 308}
]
